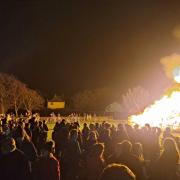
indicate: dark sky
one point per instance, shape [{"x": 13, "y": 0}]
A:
[{"x": 67, "y": 46}]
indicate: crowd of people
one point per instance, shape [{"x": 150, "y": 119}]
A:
[{"x": 88, "y": 151}]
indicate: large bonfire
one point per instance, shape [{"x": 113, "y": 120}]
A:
[{"x": 166, "y": 111}]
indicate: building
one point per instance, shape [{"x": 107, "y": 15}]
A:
[{"x": 56, "y": 103}]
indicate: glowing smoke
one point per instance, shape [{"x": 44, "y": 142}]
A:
[
  {"x": 164, "y": 112},
  {"x": 171, "y": 65}
]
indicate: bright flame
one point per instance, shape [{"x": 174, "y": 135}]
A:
[{"x": 165, "y": 112}]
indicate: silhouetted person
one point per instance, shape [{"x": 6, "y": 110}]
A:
[
  {"x": 35, "y": 133},
  {"x": 137, "y": 150},
  {"x": 25, "y": 144},
  {"x": 91, "y": 140},
  {"x": 47, "y": 167},
  {"x": 130, "y": 160},
  {"x": 166, "y": 166},
  {"x": 85, "y": 132},
  {"x": 60, "y": 137},
  {"x": 114, "y": 158},
  {"x": 13, "y": 163},
  {"x": 71, "y": 156},
  {"x": 117, "y": 172},
  {"x": 95, "y": 162}
]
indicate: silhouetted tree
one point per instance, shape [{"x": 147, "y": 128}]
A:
[
  {"x": 136, "y": 100},
  {"x": 10, "y": 92},
  {"x": 15, "y": 94},
  {"x": 32, "y": 100},
  {"x": 93, "y": 100}
]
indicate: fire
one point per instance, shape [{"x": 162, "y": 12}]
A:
[{"x": 164, "y": 112}]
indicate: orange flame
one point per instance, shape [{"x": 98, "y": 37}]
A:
[{"x": 164, "y": 112}]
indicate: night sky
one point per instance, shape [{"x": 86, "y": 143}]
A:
[{"x": 67, "y": 46}]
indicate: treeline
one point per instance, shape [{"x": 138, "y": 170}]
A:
[
  {"x": 16, "y": 95},
  {"x": 134, "y": 101}
]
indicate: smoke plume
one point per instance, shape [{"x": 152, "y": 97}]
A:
[{"x": 170, "y": 63}]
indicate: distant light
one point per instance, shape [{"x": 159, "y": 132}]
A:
[{"x": 176, "y": 74}]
